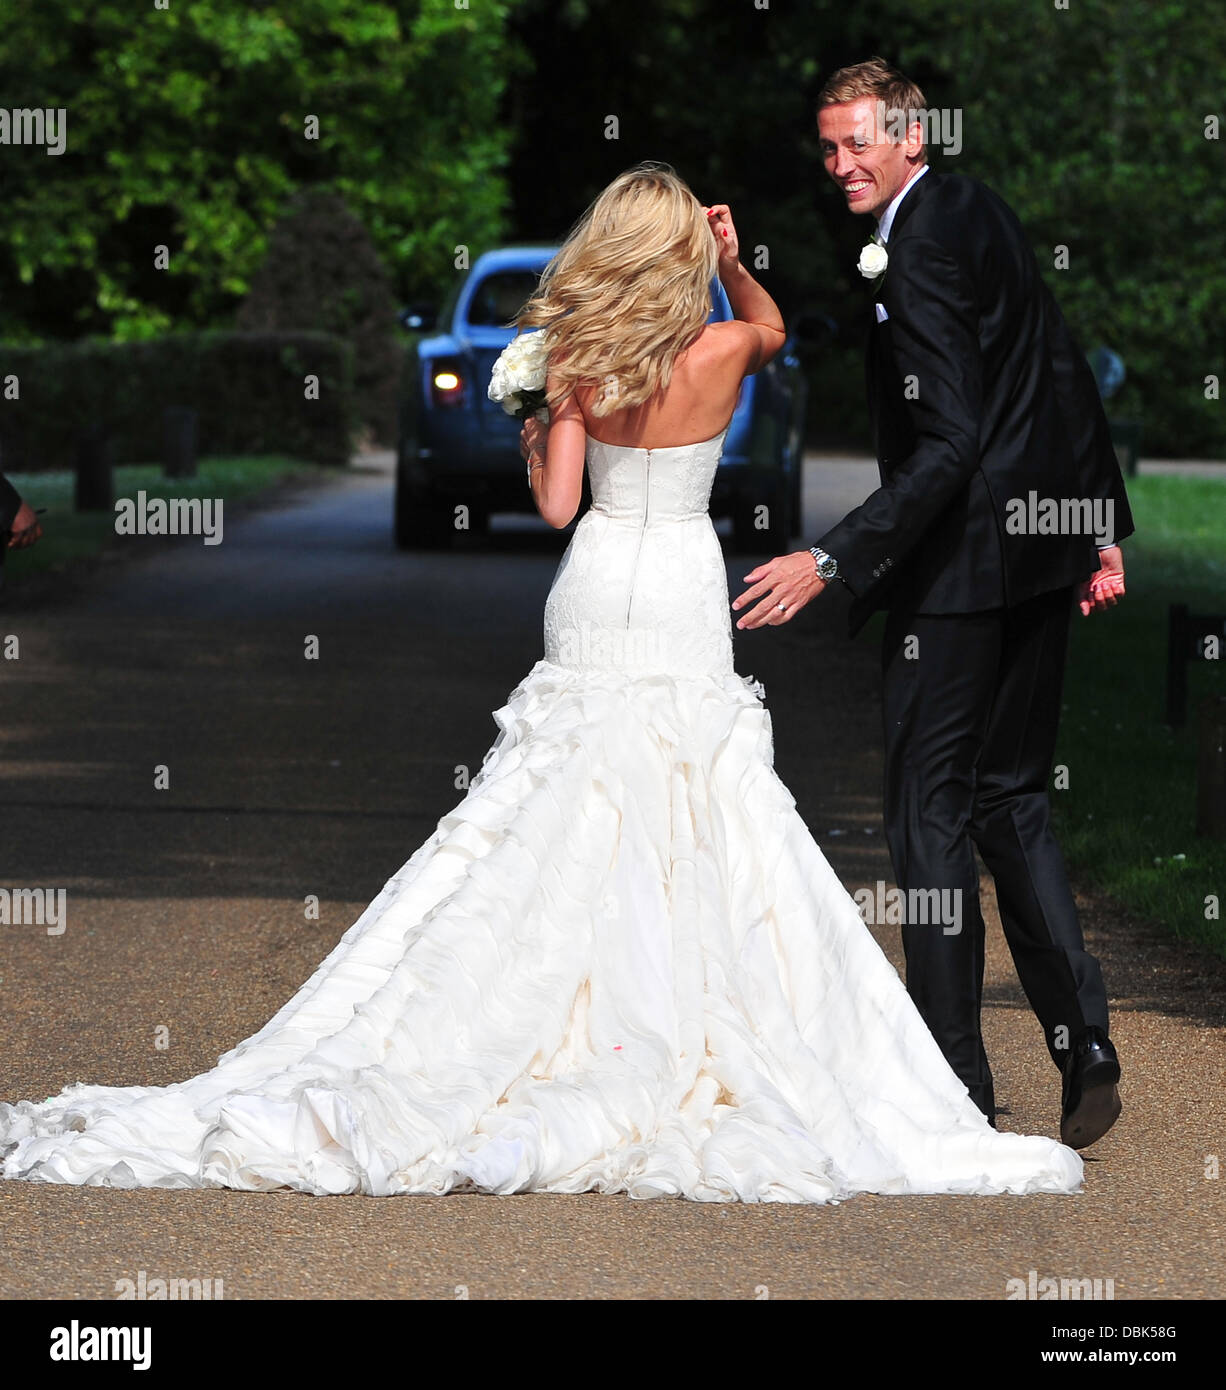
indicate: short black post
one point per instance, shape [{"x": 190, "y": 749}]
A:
[
  {"x": 94, "y": 491},
  {"x": 1211, "y": 769},
  {"x": 13, "y": 454},
  {"x": 1176, "y": 667},
  {"x": 180, "y": 428}
]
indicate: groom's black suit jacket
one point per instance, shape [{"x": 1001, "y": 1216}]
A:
[{"x": 978, "y": 395}]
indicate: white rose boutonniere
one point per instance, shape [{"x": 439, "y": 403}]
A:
[{"x": 873, "y": 261}]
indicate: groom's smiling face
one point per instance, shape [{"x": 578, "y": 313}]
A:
[{"x": 867, "y": 165}]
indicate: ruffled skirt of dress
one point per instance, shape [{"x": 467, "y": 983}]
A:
[{"x": 620, "y": 964}]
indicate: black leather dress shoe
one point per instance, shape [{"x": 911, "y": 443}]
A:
[
  {"x": 1091, "y": 1101},
  {"x": 982, "y": 1095}
]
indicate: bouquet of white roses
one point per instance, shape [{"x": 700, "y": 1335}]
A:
[{"x": 518, "y": 379}]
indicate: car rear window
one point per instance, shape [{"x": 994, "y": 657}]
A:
[{"x": 499, "y": 297}]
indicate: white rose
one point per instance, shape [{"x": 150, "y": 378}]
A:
[
  {"x": 521, "y": 366},
  {"x": 524, "y": 360},
  {"x": 532, "y": 361},
  {"x": 499, "y": 386},
  {"x": 873, "y": 260}
]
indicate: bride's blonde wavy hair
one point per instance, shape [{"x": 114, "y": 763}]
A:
[{"x": 628, "y": 291}]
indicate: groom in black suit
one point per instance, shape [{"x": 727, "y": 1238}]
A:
[{"x": 1001, "y": 504}]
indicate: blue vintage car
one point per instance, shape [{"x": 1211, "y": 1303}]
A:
[{"x": 457, "y": 447}]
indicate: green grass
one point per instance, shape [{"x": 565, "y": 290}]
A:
[
  {"x": 70, "y": 536},
  {"x": 1127, "y": 821}
]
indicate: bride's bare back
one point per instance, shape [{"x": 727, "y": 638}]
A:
[{"x": 696, "y": 405}]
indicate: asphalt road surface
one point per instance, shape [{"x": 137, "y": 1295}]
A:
[{"x": 290, "y": 777}]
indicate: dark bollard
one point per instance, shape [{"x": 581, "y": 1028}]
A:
[
  {"x": 1211, "y": 769},
  {"x": 94, "y": 491},
  {"x": 13, "y": 452},
  {"x": 179, "y": 434}
]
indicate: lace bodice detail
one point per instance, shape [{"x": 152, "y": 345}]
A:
[
  {"x": 643, "y": 587},
  {"x": 645, "y": 485}
]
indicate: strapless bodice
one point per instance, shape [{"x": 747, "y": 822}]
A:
[
  {"x": 642, "y": 588},
  {"x": 644, "y": 485}
]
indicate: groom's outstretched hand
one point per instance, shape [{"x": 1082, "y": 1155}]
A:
[{"x": 788, "y": 580}]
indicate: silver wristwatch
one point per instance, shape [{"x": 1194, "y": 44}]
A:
[{"x": 827, "y": 566}]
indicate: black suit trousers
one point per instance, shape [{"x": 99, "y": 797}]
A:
[{"x": 971, "y": 708}]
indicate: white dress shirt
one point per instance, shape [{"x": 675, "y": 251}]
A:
[{"x": 886, "y": 220}]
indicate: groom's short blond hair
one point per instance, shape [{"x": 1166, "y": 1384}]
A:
[{"x": 874, "y": 78}]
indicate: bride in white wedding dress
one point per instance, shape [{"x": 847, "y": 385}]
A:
[{"x": 621, "y": 963}]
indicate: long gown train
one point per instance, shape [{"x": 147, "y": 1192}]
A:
[{"x": 620, "y": 964}]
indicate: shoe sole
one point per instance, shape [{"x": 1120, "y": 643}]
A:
[{"x": 1099, "y": 1109}]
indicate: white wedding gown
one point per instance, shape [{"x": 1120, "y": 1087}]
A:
[{"x": 621, "y": 963}]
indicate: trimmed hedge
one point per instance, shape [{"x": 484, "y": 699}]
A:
[{"x": 248, "y": 389}]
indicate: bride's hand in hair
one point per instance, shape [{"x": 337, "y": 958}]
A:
[{"x": 719, "y": 219}]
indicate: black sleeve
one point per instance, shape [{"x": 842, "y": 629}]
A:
[
  {"x": 1085, "y": 420},
  {"x": 10, "y": 503},
  {"x": 933, "y": 319}
]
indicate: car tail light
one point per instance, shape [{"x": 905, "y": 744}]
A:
[{"x": 446, "y": 384}]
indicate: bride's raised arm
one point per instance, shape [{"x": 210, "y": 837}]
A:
[{"x": 752, "y": 305}]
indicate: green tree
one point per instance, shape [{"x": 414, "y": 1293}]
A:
[
  {"x": 1090, "y": 121},
  {"x": 322, "y": 273},
  {"x": 187, "y": 127}
]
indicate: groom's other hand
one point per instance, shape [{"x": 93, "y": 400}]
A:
[
  {"x": 789, "y": 580},
  {"x": 26, "y": 528},
  {"x": 1105, "y": 588}
]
